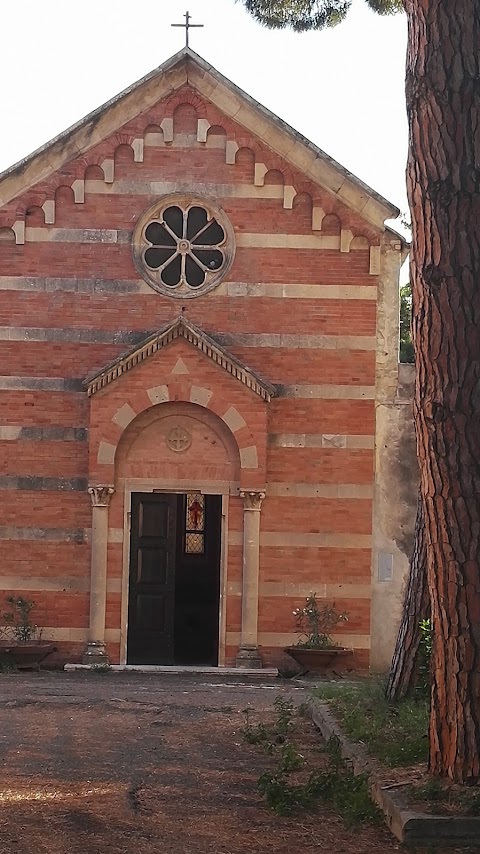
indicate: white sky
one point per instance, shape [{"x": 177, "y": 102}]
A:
[{"x": 342, "y": 88}]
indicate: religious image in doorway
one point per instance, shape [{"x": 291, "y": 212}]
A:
[{"x": 194, "y": 524}]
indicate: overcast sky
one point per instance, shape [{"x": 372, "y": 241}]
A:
[{"x": 342, "y": 88}]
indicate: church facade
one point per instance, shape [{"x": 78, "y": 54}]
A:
[{"x": 199, "y": 332}]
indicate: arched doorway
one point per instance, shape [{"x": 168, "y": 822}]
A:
[{"x": 176, "y": 466}]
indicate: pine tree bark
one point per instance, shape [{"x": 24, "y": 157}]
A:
[
  {"x": 416, "y": 607},
  {"x": 443, "y": 104}
]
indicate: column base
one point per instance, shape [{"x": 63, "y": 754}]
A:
[
  {"x": 248, "y": 656},
  {"x": 95, "y": 653}
]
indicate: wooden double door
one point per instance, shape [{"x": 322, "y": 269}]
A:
[{"x": 174, "y": 584}]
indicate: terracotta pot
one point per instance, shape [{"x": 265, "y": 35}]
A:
[
  {"x": 317, "y": 659},
  {"x": 27, "y": 655}
]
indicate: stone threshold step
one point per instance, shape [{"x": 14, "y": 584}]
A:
[{"x": 172, "y": 670}]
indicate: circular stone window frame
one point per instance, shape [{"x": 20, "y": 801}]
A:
[{"x": 140, "y": 244}]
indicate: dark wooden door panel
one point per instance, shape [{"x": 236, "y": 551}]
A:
[
  {"x": 151, "y": 612},
  {"x": 153, "y": 516},
  {"x": 153, "y": 565},
  {"x": 152, "y": 579}
]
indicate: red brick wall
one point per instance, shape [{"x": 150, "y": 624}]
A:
[{"x": 71, "y": 307}]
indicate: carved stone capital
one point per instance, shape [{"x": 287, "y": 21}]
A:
[
  {"x": 100, "y": 495},
  {"x": 252, "y": 499}
]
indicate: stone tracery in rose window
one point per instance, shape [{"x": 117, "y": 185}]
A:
[{"x": 183, "y": 246}]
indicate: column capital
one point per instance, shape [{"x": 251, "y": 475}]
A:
[
  {"x": 101, "y": 495},
  {"x": 252, "y": 499}
]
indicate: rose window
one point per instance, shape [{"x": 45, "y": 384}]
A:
[{"x": 184, "y": 246}]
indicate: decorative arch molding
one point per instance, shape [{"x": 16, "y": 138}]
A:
[
  {"x": 200, "y": 397},
  {"x": 183, "y": 411},
  {"x": 184, "y": 96}
]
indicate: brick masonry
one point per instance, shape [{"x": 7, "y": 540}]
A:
[{"x": 298, "y": 308}]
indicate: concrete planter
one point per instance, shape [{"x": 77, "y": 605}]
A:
[
  {"x": 27, "y": 655},
  {"x": 318, "y": 660}
]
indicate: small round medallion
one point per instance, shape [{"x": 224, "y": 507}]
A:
[{"x": 179, "y": 439}]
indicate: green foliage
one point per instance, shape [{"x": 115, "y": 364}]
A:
[
  {"x": 18, "y": 624},
  {"x": 385, "y": 7},
  {"x": 315, "y": 622},
  {"x": 336, "y": 785},
  {"x": 394, "y": 733},
  {"x": 302, "y": 15},
  {"x": 346, "y": 793},
  {"x": 285, "y": 793},
  {"x": 406, "y": 343},
  {"x": 424, "y": 653},
  {"x": 270, "y": 736}
]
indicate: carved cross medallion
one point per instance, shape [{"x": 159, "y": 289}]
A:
[{"x": 179, "y": 439}]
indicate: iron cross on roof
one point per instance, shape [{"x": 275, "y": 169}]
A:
[{"x": 186, "y": 26}]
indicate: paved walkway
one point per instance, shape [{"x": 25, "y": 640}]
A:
[{"x": 99, "y": 763}]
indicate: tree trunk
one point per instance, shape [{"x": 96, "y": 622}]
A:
[
  {"x": 416, "y": 607},
  {"x": 443, "y": 104}
]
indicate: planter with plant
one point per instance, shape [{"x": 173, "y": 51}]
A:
[
  {"x": 315, "y": 648},
  {"x": 20, "y": 639}
]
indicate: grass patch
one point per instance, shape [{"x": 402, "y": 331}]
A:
[{"x": 394, "y": 733}]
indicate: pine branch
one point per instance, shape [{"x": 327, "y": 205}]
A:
[
  {"x": 385, "y": 7},
  {"x": 298, "y": 15},
  {"x": 303, "y": 15}
]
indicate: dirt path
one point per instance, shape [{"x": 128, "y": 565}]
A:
[{"x": 103, "y": 763}]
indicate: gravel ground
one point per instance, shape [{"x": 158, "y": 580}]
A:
[{"x": 96, "y": 763}]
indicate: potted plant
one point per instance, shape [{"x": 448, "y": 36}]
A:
[
  {"x": 316, "y": 649},
  {"x": 20, "y": 639}
]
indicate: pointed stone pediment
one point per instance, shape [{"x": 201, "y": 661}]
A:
[{"x": 180, "y": 328}]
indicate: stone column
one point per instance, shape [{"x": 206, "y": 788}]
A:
[
  {"x": 248, "y": 653},
  {"x": 95, "y": 650}
]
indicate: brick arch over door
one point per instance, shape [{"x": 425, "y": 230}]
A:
[{"x": 178, "y": 443}]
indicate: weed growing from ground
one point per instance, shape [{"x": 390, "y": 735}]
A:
[
  {"x": 289, "y": 786},
  {"x": 269, "y": 736}
]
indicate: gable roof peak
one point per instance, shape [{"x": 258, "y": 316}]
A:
[{"x": 188, "y": 67}]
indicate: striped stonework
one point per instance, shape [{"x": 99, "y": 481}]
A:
[{"x": 269, "y": 382}]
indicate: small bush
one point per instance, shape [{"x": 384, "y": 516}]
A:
[{"x": 289, "y": 786}]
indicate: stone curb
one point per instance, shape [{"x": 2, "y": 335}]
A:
[
  {"x": 239, "y": 672},
  {"x": 408, "y": 826}
]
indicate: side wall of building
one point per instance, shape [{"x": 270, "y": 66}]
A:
[{"x": 396, "y": 470}]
